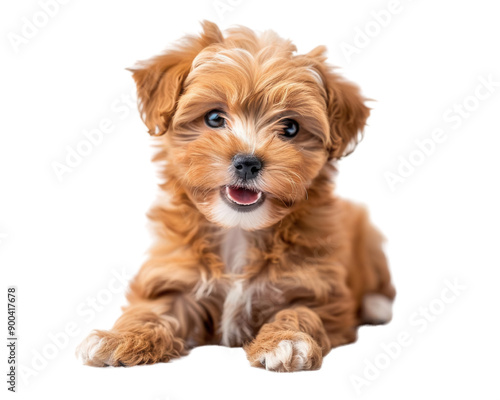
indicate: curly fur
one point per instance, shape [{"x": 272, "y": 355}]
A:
[{"x": 310, "y": 258}]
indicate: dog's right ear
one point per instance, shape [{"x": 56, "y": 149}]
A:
[
  {"x": 159, "y": 80},
  {"x": 345, "y": 107}
]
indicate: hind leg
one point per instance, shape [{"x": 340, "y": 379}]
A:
[
  {"x": 376, "y": 309},
  {"x": 379, "y": 293},
  {"x": 369, "y": 277}
]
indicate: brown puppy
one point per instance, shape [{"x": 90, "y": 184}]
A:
[{"x": 253, "y": 248}]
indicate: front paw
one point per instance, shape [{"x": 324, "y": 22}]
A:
[
  {"x": 125, "y": 349},
  {"x": 284, "y": 351}
]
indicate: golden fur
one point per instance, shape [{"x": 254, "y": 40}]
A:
[{"x": 310, "y": 258}]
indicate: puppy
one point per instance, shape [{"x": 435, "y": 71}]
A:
[{"x": 253, "y": 248}]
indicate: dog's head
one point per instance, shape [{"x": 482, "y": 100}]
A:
[{"x": 247, "y": 125}]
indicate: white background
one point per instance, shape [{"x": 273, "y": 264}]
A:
[{"x": 62, "y": 241}]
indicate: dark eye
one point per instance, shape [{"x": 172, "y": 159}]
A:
[
  {"x": 215, "y": 119},
  {"x": 291, "y": 128}
]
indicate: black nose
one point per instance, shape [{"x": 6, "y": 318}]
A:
[{"x": 246, "y": 167}]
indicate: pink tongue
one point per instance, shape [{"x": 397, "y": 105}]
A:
[{"x": 242, "y": 196}]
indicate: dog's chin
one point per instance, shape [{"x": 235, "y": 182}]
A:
[
  {"x": 236, "y": 206},
  {"x": 250, "y": 209}
]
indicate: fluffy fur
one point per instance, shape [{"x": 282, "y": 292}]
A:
[{"x": 289, "y": 280}]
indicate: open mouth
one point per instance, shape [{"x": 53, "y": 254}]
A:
[{"x": 242, "y": 199}]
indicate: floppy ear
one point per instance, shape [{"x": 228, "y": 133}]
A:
[
  {"x": 159, "y": 80},
  {"x": 346, "y": 110}
]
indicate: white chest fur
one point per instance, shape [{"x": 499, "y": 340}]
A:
[
  {"x": 233, "y": 250},
  {"x": 238, "y": 300}
]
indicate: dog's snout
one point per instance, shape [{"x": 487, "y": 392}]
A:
[{"x": 246, "y": 167}]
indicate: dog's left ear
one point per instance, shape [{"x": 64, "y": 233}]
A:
[
  {"x": 160, "y": 80},
  {"x": 346, "y": 110}
]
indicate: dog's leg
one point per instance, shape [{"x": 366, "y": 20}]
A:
[
  {"x": 369, "y": 278},
  {"x": 145, "y": 333},
  {"x": 163, "y": 320},
  {"x": 148, "y": 332},
  {"x": 295, "y": 340},
  {"x": 378, "y": 292}
]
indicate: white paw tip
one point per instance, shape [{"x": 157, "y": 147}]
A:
[
  {"x": 377, "y": 308},
  {"x": 301, "y": 352},
  {"x": 87, "y": 349},
  {"x": 284, "y": 352}
]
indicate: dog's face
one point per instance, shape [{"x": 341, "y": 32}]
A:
[{"x": 246, "y": 125}]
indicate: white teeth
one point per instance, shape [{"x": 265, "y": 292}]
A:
[{"x": 259, "y": 195}]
